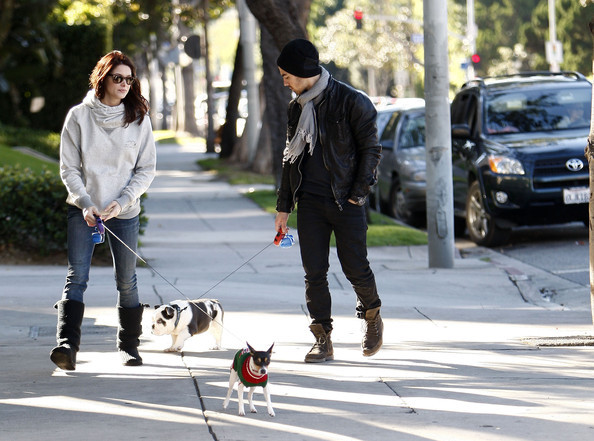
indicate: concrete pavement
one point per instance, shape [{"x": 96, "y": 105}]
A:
[{"x": 461, "y": 357}]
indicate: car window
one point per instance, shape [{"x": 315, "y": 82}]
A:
[
  {"x": 387, "y": 136},
  {"x": 537, "y": 110},
  {"x": 464, "y": 111},
  {"x": 412, "y": 133},
  {"x": 381, "y": 120}
]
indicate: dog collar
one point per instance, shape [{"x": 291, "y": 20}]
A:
[{"x": 178, "y": 310}]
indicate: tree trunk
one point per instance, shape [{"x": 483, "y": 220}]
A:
[
  {"x": 6, "y": 8},
  {"x": 189, "y": 111},
  {"x": 280, "y": 22},
  {"x": 590, "y": 158},
  {"x": 210, "y": 134},
  {"x": 277, "y": 98},
  {"x": 229, "y": 128}
]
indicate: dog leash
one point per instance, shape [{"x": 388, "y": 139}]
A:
[
  {"x": 283, "y": 240},
  {"x": 171, "y": 284}
]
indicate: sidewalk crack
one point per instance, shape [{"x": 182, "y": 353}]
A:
[
  {"x": 202, "y": 405},
  {"x": 426, "y": 316},
  {"x": 410, "y": 409}
]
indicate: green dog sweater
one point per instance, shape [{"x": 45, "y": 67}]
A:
[{"x": 249, "y": 378}]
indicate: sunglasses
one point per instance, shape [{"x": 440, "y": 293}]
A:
[{"x": 118, "y": 79}]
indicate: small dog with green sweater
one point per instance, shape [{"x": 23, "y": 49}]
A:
[{"x": 250, "y": 369}]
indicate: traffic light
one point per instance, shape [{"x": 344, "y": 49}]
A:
[
  {"x": 358, "y": 14},
  {"x": 476, "y": 59}
]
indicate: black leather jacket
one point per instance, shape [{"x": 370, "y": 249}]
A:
[{"x": 348, "y": 136}]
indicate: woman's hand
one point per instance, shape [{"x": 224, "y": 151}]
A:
[
  {"x": 89, "y": 215},
  {"x": 112, "y": 210}
]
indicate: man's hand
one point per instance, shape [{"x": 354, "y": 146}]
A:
[
  {"x": 358, "y": 201},
  {"x": 280, "y": 222},
  {"x": 112, "y": 210}
]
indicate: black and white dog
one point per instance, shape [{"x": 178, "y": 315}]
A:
[
  {"x": 182, "y": 319},
  {"x": 250, "y": 369}
]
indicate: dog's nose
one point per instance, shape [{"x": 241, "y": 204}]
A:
[{"x": 263, "y": 371}]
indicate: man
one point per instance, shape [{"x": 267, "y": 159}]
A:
[{"x": 328, "y": 167}]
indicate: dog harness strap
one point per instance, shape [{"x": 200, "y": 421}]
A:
[
  {"x": 241, "y": 364},
  {"x": 178, "y": 315}
]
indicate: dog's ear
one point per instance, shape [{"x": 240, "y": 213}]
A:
[
  {"x": 168, "y": 312},
  {"x": 158, "y": 306},
  {"x": 250, "y": 348},
  {"x": 270, "y": 349}
]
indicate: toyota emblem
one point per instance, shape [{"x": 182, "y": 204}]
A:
[{"x": 574, "y": 164}]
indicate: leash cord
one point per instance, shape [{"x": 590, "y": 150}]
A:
[
  {"x": 175, "y": 287},
  {"x": 172, "y": 285}
]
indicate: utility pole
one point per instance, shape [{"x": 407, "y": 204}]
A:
[
  {"x": 553, "y": 48},
  {"x": 470, "y": 36},
  {"x": 210, "y": 134},
  {"x": 247, "y": 26},
  {"x": 440, "y": 204},
  {"x": 590, "y": 157}
]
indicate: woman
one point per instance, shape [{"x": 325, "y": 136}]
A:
[{"x": 107, "y": 161}]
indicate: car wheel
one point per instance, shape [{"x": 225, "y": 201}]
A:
[
  {"x": 397, "y": 207},
  {"x": 482, "y": 228}
]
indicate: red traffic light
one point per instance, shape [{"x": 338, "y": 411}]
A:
[
  {"x": 475, "y": 58},
  {"x": 358, "y": 14}
]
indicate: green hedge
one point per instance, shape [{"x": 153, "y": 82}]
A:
[{"x": 32, "y": 210}]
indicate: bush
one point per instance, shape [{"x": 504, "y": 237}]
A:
[{"x": 32, "y": 210}]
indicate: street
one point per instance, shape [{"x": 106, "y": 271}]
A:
[{"x": 559, "y": 249}]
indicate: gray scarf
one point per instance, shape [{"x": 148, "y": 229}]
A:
[{"x": 307, "y": 131}]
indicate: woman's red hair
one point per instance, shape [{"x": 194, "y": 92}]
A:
[{"x": 135, "y": 105}]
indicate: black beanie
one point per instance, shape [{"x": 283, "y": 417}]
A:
[{"x": 299, "y": 57}]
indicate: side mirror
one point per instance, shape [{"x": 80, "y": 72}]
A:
[{"x": 460, "y": 131}]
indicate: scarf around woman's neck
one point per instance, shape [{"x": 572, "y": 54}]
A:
[{"x": 307, "y": 131}]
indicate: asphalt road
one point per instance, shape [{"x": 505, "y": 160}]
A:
[{"x": 560, "y": 249}]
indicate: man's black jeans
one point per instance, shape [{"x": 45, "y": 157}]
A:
[{"x": 317, "y": 217}]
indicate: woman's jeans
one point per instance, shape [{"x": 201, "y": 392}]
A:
[
  {"x": 317, "y": 217},
  {"x": 80, "y": 252}
]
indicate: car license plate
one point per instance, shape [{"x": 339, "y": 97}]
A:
[{"x": 577, "y": 195}]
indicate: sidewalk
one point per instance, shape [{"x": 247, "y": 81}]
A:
[{"x": 460, "y": 360}]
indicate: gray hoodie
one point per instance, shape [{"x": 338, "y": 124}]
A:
[{"x": 102, "y": 160}]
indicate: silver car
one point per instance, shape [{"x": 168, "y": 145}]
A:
[{"x": 401, "y": 188}]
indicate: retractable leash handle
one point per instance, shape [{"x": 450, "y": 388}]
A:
[
  {"x": 99, "y": 233},
  {"x": 279, "y": 236},
  {"x": 284, "y": 240}
]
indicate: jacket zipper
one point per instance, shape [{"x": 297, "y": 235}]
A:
[
  {"x": 324, "y": 159},
  {"x": 300, "y": 181}
]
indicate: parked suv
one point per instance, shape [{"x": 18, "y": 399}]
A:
[{"x": 518, "y": 153}]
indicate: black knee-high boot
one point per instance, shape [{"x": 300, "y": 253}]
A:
[
  {"x": 129, "y": 332},
  {"x": 70, "y": 315}
]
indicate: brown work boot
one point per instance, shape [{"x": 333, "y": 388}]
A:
[
  {"x": 322, "y": 349},
  {"x": 374, "y": 330}
]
